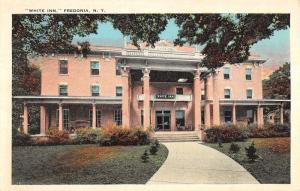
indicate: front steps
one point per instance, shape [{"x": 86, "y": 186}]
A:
[{"x": 177, "y": 136}]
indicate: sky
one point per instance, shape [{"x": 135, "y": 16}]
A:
[{"x": 276, "y": 49}]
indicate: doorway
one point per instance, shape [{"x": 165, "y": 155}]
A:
[{"x": 163, "y": 120}]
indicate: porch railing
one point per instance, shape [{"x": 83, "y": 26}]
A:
[{"x": 160, "y": 53}]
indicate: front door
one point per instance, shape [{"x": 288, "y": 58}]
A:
[{"x": 163, "y": 120}]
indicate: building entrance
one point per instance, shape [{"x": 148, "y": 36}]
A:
[{"x": 163, "y": 120}]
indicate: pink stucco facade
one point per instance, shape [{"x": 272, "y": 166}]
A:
[{"x": 163, "y": 88}]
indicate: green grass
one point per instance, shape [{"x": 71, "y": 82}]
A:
[
  {"x": 273, "y": 165},
  {"x": 84, "y": 164}
]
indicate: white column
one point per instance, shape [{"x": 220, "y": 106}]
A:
[
  {"x": 146, "y": 79},
  {"x": 234, "y": 114},
  {"x": 25, "y": 119},
  {"x": 60, "y": 117},
  {"x": 197, "y": 100},
  {"x": 94, "y": 116},
  {"x": 281, "y": 114},
  {"x": 42, "y": 120}
]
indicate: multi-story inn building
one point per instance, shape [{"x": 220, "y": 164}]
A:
[{"x": 162, "y": 87}]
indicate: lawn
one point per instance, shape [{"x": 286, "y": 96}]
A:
[
  {"x": 84, "y": 164},
  {"x": 273, "y": 166}
]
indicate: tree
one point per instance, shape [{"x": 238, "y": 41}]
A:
[
  {"x": 278, "y": 86},
  {"x": 227, "y": 37}
]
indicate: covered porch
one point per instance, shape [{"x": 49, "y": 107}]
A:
[
  {"x": 247, "y": 112},
  {"x": 70, "y": 113}
]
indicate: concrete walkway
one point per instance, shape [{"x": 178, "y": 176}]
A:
[{"x": 194, "y": 163}]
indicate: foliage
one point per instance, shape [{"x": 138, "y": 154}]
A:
[
  {"x": 145, "y": 156},
  {"x": 225, "y": 134},
  {"x": 234, "y": 148},
  {"x": 154, "y": 145},
  {"x": 278, "y": 86},
  {"x": 220, "y": 143},
  {"x": 87, "y": 136},
  {"x": 276, "y": 130},
  {"x": 228, "y": 133},
  {"x": 21, "y": 139},
  {"x": 56, "y": 137},
  {"x": 227, "y": 37},
  {"x": 251, "y": 152},
  {"x": 116, "y": 135}
]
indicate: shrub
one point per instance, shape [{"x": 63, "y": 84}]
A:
[
  {"x": 154, "y": 147},
  {"x": 42, "y": 141},
  {"x": 87, "y": 136},
  {"x": 251, "y": 152},
  {"x": 145, "y": 156},
  {"x": 143, "y": 137},
  {"x": 226, "y": 134},
  {"x": 234, "y": 148},
  {"x": 281, "y": 128},
  {"x": 269, "y": 131},
  {"x": 57, "y": 137},
  {"x": 220, "y": 143},
  {"x": 21, "y": 139},
  {"x": 156, "y": 142},
  {"x": 115, "y": 135}
]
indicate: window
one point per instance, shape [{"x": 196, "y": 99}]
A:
[
  {"x": 250, "y": 118},
  {"x": 248, "y": 74},
  {"x": 63, "y": 67},
  {"x": 249, "y": 93},
  {"x": 179, "y": 91},
  {"x": 118, "y": 117},
  {"x": 118, "y": 69},
  {"x": 142, "y": 117},
  {"x": 226, "y": 73},
  {"x": 202, "y": 94},
  {"x": 106, "y": 55},
  {"x": 119, "y": 91},
  {"x": 94, "y": 68},
  {"x": 180, "y": 119},
  {"x": 98, "y": 118},
  {"x": 95, "y": 90},
  {"x": 227, "y": 116},
  {"x": 63, "y": 90},
  {"x": 227, "y": 93},
  {"x": 66, "y": 118}
]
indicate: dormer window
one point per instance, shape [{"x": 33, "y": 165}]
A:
[{"x": 226, "y": 73}]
